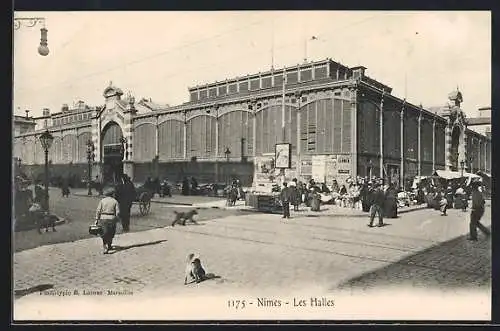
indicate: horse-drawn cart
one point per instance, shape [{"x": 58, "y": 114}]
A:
[{"x": 143, "y": 199}]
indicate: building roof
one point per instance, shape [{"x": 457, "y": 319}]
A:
[
  {"x": 280, "y": 71},
  {"x": 478, "y": 121},
  {"x": 18, "y": 118},
  {"x": 152, "y": 105}
]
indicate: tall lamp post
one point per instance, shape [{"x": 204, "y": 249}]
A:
[
  {"x": 123, "y": 144},
  {"x": 46, "y": 140},
  {"x": 90, "y": 159},
  {"x": 227, "y": 153}
]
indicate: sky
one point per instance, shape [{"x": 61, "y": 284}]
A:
[{"x": 421, "y": 55}]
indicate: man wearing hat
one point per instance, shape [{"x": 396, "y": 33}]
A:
[
  {"x": 107, "y": 214},
  {"x": 285, "y": 197},
  {"x": 377, "y": 204},
  {"x": 477, "y": 212},
  {"x": 125, "y": 194}
]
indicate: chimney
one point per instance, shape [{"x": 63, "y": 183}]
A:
[
  {"x": 131, "y": 103},
  {"x": 358, "y": 72},
  {"x": 46, "y": 112},
  {"x": 65, "y": 108}
]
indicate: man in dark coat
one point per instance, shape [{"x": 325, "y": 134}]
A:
[
  {"x": 194, "y": 186},
  {"x": 296, "y": 194},
  {"x": 477, "y": 212},
  {"x": 364, "y": 195},
  {"x": 377, "y": 202},
  {"x": 185, "y": 186},
  {"x": 390, "y": 203},
  {"x": 286, "y": 196},
  {"x": 125, "y": 194}
]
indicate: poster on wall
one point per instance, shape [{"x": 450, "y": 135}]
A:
[
  {"x": 331, "y": 168},
  {"x": 319, "y": 168},
  {"x": 283, "y": 156},
  {"x": 264, "y": 169}
]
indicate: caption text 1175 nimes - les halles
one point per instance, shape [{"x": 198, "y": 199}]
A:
[{"x": 314, "y": 302}]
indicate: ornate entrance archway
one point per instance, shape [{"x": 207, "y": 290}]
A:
[{"x": 112, "y": 152}]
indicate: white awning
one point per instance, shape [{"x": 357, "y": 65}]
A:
[{"x": 454, "y": 174}]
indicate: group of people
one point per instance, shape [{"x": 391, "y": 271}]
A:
[
  {"x": 369, "y": 195},
  {"x": 382, "y": 200},
  {"x": 113, "y": 208}
]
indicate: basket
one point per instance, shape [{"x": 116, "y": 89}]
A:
[{"x": 95, "y": 230}]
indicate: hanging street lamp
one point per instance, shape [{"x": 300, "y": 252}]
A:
[
  {"x": 90, "y": 160},
  {"x": 30, "y": 22}
]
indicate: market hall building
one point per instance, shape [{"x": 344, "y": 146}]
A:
[{"x": 338, "y": 121}]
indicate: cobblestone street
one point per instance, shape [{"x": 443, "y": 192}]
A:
[
  {"x": 262, "y": 253},
  {"x": 79, "y": 212}
]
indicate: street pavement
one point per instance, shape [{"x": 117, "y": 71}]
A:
[
  {"x": 176, "y": 199},
  {"x": 260, "y": 253},
  {"x": 78, "y": 212}
]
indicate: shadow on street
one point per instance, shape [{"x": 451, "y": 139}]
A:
[
  {"x": 207, "y": 277},
  {"x": 123, "y": 248},
  {"x": 457, "y": 263},
  {"x": 38, "y": 288}
]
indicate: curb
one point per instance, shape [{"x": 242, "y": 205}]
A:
[
  {"x": 152, "y": 200},
  {"x": 196, "y": 205},
  {"x": 60, "y": 220},
  {"x": 324, "y": 212},
  {"x": 410, "y": 210}
]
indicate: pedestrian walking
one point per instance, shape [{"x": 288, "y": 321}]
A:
[
  {"x": 377, "y": 202},
  {"x": 477, "y": 212},
  {"x": 296, "y": 194},
  {"x": 365, "y": 196},
  {"x": 125, "y": 194},
  {"x": 65, "y": 187},
  {"x": 443, "y": 203},
  {"x": 107, "y": 215},
  {"x": 390, "y": 202},
  {"x": 285, "y": 196},
  {"x": 461, "y": 199},
  {"x": 99, "y": 186},
  {"x": 185, "y": 186}
]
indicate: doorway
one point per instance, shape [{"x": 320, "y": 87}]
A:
[{"x": 112, "y": 154}]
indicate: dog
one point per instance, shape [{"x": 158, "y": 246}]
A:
[
  {"x": 182, "y": 217},
  {"x": 41, "y": 218},
  {"x": 46, "y": 221},
  {"x": 194, "y": 270}
]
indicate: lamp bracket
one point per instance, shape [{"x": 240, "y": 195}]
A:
[{"x": 28, "y": 22}]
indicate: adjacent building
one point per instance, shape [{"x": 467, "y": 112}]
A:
[{"x": 338, "y": 121}]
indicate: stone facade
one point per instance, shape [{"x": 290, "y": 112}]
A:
[{"x": 339, "y": 122}]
